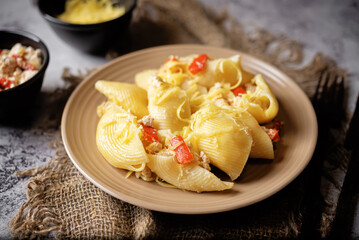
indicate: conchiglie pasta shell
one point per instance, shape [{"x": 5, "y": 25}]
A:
[
  {"x": 229, "y": 151},
  {"x": 262, "y": 104},
  {"x": 262, "y": 146},
  {"x": 190, "y": 177},
  {"x": 128, "y": 96},
  {"x": 225, "y": 141},
  {"x": 118, "y": 140},
  {"x": 142, "y": 78},
  {"x": 169, "y": 107}
]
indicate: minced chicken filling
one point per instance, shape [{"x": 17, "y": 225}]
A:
[{"x": 18, "y": 65}]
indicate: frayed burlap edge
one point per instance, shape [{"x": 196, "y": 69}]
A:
[
  {"x": 35, "y": 218},
  {"x": 41, "y": 215}
]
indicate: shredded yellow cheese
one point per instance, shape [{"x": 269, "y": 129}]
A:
[
  {"x": 179, "y": 110},
  {"x": 90, "y": 11}
]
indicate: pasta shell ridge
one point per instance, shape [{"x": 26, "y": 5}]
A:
[
  {"x": 129, "y": 96},
  {"x": 118, "y": 140},
  {"x": 190, "y": 177}
]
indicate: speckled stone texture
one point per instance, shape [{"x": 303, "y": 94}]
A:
[
  {"x": 19, "y": 149},
  {"x": 329, "y": 26}
]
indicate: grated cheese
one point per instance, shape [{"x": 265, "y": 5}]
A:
[{"x": 90, "y": 11}]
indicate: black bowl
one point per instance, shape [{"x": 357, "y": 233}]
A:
[
  {"x": 19, "y": 99},
  {"x": 91, "y": 38}
]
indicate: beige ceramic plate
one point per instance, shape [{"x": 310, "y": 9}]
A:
[{"x": 259, "y": 179}]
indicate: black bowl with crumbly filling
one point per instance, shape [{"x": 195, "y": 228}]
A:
[
  {"x": 16, "y": 101},
  {"x": 94, "y": 38}
]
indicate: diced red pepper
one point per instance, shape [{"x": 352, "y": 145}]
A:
[
  {"x": 272, "y": 129},
  {"x": 5, "y": 83},
  {"x": 176, "y": 141},
  {"x": 181, "y": 149},
  {"x": 198, "y": 64},
  {"x": 30, "y": 66},
  {"x": 150, "y": 134},
  {"x": 15, "y": 56},
  {"x": 273, "y": 134},
  {"x": 239, "y": 90},
  {"x": 172, "y": 58}
]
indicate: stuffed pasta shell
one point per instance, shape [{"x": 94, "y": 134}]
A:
[
  {"x": 224, "y": 140},
  {"x": 190, "y": 177},
  {"x": 168, "y": 105},
  {"x": 259, "y": 100},
  {"x": 128, "y": 96},
  {"x": 262, "y": 146},
  {"x": 118, "y": 138}
]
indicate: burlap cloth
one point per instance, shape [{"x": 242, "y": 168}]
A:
[{"x": 62, "y": 203}]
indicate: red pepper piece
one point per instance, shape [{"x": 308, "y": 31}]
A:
[
  {"x": 181, "y": 149},
  {"x": 15, "y": 56},
  {"x": 30, "y": 66},
  {"x": 273, "y": 134},
  {"x": 150, "y": 134},
  {"x": 172, "y": 58},
  {"x": 176, "y": 141},
  {"x": 5, "y": 83},
  {"x": 198, "y": 64},
  {"x": 239, "y": 90}
]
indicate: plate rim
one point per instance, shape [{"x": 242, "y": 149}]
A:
[{"x": 152, "y": 205}]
